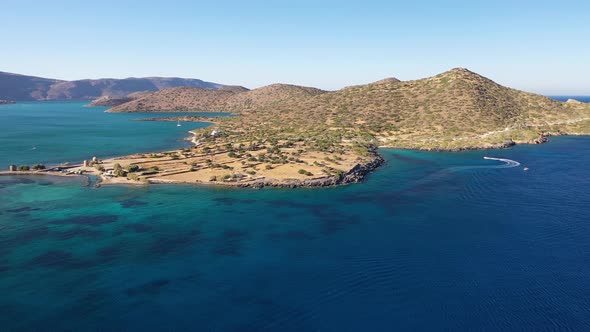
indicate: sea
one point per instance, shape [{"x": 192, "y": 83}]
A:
[
  {"x": 429, "y": 241},
  {"x": 584, "y": 99}
]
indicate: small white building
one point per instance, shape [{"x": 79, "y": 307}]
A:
[{"x": 215, "y": 132}]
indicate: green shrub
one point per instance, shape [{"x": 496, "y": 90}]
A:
[
  {"x": 39, "y": 167},
  {"x": 132, "y": 168},
  {"x": 118, "y": 170},
  {"x": 23, "y": 168},
  {"x": 304, "y": 172},
  {"x": 133, "y": 176},
  {"x": 153, "y": 169}
]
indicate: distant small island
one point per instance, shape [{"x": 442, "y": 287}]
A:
[
  {"x": 293, "y": 136},
  {"x": 6, "y": 102}
]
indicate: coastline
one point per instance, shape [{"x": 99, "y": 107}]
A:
[{"x": 355, "y": 172}]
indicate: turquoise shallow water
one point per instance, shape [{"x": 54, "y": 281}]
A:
[
  {"x": 55, "y": 132},
  {"x": 430, "y": 241}
]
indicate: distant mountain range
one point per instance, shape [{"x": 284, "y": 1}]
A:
[{"x": 26, "y": 88}]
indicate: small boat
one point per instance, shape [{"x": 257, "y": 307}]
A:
[
  {"x": 34, "y": 148},
  {"x": 525, "y": 169},
  {"x": 178, "y": 124}
]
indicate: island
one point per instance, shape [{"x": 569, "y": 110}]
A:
[
  {"x": 293, "y": 136},
  {"x": 6, "y": 102}
]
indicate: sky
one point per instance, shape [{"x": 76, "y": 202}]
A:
[{"x": 538, "y": 46}]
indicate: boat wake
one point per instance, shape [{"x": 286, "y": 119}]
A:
[
  {"x": 445, "y": 174},
  {"x": 507, "y": 162}
]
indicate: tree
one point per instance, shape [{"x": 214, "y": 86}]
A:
[
  {"x": 118, "y": 170},
  {"x": 133, "y": 176},
  {"x": 302, "y": 171}
]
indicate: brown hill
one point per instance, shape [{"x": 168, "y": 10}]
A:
[
  {"x": 181, "y": 99},
  {"x": 224, "y": 100},
  {"x": 271, "y": 96},
  {"x": 457, "y": 103},
  {"x": 456, "y": 109},
  {"x": 387, "y": 80}
]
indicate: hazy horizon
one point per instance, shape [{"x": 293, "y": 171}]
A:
[
  {"x": 532, "y": 46},
  {"x": 255, "y": 87}
]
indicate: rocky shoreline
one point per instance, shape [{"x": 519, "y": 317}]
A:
[
  {"x": 355, "y": 175},
  {"x": 189, "y": 118},
  {"x": 541, "y": 139}
]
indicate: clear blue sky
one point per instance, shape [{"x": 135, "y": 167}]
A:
[{"x": 539, "y": 46}]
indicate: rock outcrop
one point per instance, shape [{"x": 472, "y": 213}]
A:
[
  {"x": 355, "y": 175},
  {"x": 541, "y": 139}
]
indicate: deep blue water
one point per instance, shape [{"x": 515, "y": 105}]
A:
[
  {"x": 431, "y": 241},
  {"x": 585, "y": 99}
]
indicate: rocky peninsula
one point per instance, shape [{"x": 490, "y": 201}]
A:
[{"x": 293, "y": 136}]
